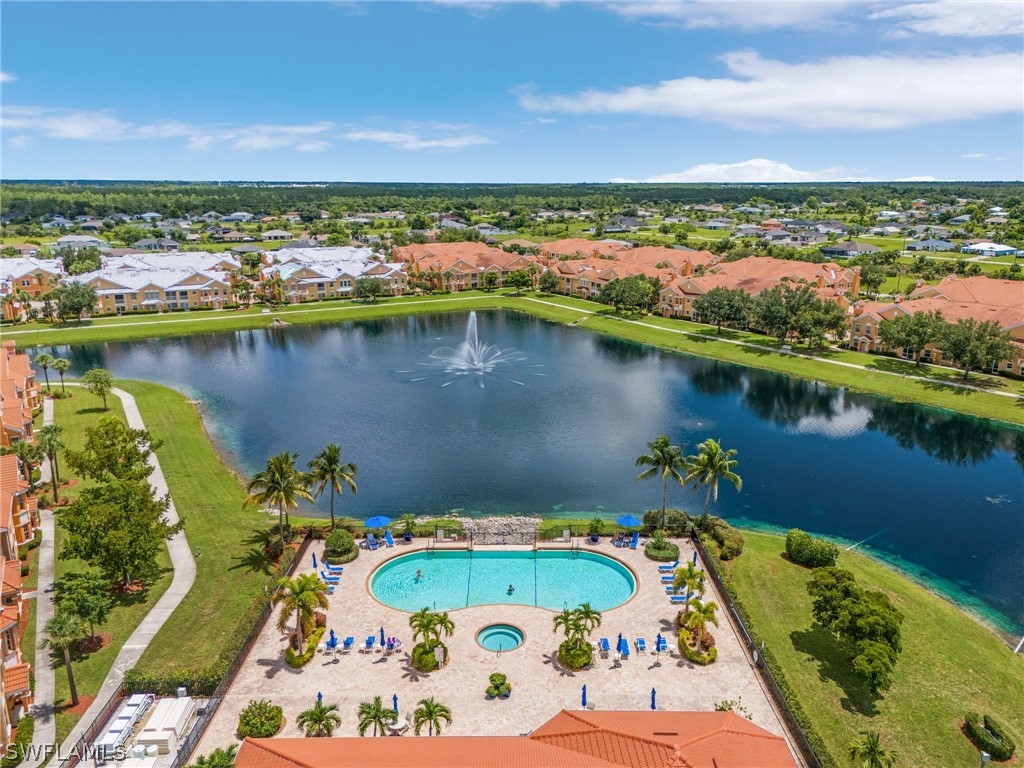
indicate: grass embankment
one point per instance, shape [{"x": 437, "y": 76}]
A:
[
  {"x": 231, "y": 568},
  {"x": 950, "y": 663},
  {"x": 866, "y": 373},
  {"x": 75, "y": 413}
]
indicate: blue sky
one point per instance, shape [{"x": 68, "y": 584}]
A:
[{"x": 513, "y": 91}]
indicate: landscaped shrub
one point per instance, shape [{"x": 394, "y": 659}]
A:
[
  {"x": 991, "y": 738},
  {"x": 296, "y": 660},
  {"x": 804, "y": 549},
  {"x": 575, "y": 658},
  {"x": 703, "y": 659},
  {"x": 677, "y": 522},
  {"x": 260, "y": 720},
  {"x": 660, "y": 548},
  {"x": 15, "y": 753},
  {"x": 340, "y": 547},
  {"x": 423, "y": 656},
  {"x": 499, "y": 685},
  {"x": 732, "y": 544},
  {"x": 28, "y": 546}
]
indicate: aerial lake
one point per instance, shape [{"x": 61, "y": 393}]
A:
[{"x": 539, "y": 418}]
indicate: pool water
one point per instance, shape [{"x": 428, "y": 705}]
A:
[
  {"x": 452, "y": 580},
  {"x": 500, "y": 637}
]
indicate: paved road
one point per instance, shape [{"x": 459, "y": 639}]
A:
[{"x": 184, "y": 576}]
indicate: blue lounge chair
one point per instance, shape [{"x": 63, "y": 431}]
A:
[
  {"x": 332, "y": 568},
  {"x": 388, "y": 538},
  {"x": 668, "y": 578},
  {"x": 633, "y": 542},
  {"x": 371, "y": 541},
  {"x": 641, "y": 646},
  {"x": 668, "y": 567},
  {"x": 605, "y": 647},
  {"x": 330, "y": 578},
  {"x": 346, "y": 647},
  {"x": 680, "y": 599},
  {"x": 371, "y": 641},
  {"x": 624, "y": 648},
  {"x": 661, "y": 646}
]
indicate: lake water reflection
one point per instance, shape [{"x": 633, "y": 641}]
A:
[{"x": 933, "y": 491}]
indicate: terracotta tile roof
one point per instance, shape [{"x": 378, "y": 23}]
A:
[
  {"x": 10, "y": 575},
  {"x": 979, "y": 290},
  {"x": 574, "y": 245},
  {"x": 411, "y": 752},
  {"x": 10, "y": 484},
  {"x": 16, "y": 678},
  {"x": 9, "y": 617}
]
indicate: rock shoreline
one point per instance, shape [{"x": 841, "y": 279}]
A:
[{"x": 478, "y": 526}]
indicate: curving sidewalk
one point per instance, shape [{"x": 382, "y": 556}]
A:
[{"x": 184, "y": 575}]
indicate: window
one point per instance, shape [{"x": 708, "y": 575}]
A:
[
  {"x": 867, "y": 329},
  {"x": 856, "y": 327}
]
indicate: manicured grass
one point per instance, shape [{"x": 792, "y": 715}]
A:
[
  {"x": 231, "y": 568},
  {"x": 873, "y": 374},
  {"x": 75, "y": 414},
  {"x": 950, "y": 663}
]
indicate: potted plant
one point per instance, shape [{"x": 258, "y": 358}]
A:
[
  {"x": 408, "y": 522},
  {"x": 499, "y": 686},
  {"x": 596, "y": 529}
]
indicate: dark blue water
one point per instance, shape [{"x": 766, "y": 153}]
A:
[{"x": 938, "y": 494}]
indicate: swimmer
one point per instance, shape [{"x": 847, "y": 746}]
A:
[
  {"x": 511, "y": 589},
  {"x": 419, "y": 574}
]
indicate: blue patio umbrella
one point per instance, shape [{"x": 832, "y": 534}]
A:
[
  {"x": 394, "y": 701},
  {"x": 657, "y": 642},
  {"x": 314, "y": 561},
  {"x": 628, "y": 521},
  {"x": 382, "y": 635},
  {"x": 378, "y": 522},
  {"x": 654, "y": 704},
  {"x": 584, "y": 695},
  {"x": 319, "y": 696},
  {"x": 694, "y": 558},
  {"x": 332, "y": 640}
]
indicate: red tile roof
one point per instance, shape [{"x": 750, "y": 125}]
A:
[{"x": 16, "y": 678}]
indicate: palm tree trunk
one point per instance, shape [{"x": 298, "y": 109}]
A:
[
  {"x": 664, "y": 501},
  {"x": 280, "y": 525},
  {"x": 53, "y": 479},
  {"x": 56, "y": 467},
  {"x": 707, "y": 500},
  {"x": 430, "y": 728},
  {"x": 298, "y": 629},
  {"x": 71, "y": 676},
  {"x": 46, "y": 375},
  {"x": 700, "y": 640},
  {"x": 332, "y": 507},
  {"x": 62, "y": 390}
]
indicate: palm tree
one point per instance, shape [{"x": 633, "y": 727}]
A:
[
  {"x": 443, "y": 625},
  {"x": 29, "y": 454},
  {"x": 222, "y": 757},
  {"x": 327, "y": 471},
  {"x": 320, "y": 720},
  {"x": 710, "y": 465},
  {"x": 61, "y": 632},
  {"x": 376, "y": 714},
  {"x": 48, "y": 439},
  {"x": 589, "y": 618},
  {"x": 569, "y": 622},
  {"x": 664, "y": 459},
  {"x": 44, "y": 361},
  {"x": 300, "y": 597},
  {"x": 867, "y": 752},
  {"x": 422, "y": 624},
  {"x": 281, "y": 485},
  {"x": 699, "y": 618},
  {"x": 689, "y": 579},
  {"x": 430, "y": 713},
  {"x": 61, "y": 365}
]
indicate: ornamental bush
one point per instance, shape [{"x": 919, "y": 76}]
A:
[
  {"x": 804, "y": 549},
  {"x": 660, "y": 548},
  {"x": 709, "y": 656},
  {"x": 260, "y": 720},
  {"x": 15, "y": 753},
  {"x": 423, "y": 656},
  {"x": 296, "y": 660},
  {"x": 732, "y": 544},
  {"x": 340, "y": 546},
  {"x": 991, "y": 738},
  {"x": 575, "y": 658}
]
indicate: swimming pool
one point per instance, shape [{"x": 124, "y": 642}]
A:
[{"x": 452, "y": 580}]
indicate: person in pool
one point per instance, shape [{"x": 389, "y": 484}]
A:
[
  {"x": 419, "y": 574},
  {"x": 511, "y": 589}
]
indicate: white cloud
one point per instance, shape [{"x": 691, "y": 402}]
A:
[
  {"x": 7, "y": 77},
  {"x": 413, "y": 140},
  {"x": 715, "y": 14},
  {"x": 19, "y": 142},
  {"x": 956, "y": 18},
  {"x": 99, "y": 125},
  {"x": 846, "y": 92},
  {"x": 547, "y": 120},
  {"x": 758, "y": 169},
  {"x": 975, "y": 155}
]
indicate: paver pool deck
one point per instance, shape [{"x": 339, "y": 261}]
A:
[{"x": 540, "y": 687}]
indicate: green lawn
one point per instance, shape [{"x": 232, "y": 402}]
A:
[
  {"x": 75, "y": 414},
  {"x": 950, "y": 663},
  {"x": 231, "y": 567}
]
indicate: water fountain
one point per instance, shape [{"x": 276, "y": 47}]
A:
[{"x": 475, "y": 358}]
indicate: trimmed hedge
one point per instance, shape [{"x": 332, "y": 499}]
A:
[
  {"x": 575, "y": 658},
  {"x": 260, "y": 720},
  {"x": 423, "y": 656},
  {"x": 991, "y": 738},
  {"x": 663, "y": 551},
  {"x": 295, "y": 660},
  {"x": 804, "y": 549},
  {"x": 709, "y": 656},
  {"x": 340, "y": 544},
  {"x": 15, "y": 753}
]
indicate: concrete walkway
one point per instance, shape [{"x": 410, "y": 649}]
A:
[
  {"x": 42, "y": 710},
  {"x": 762, "y": 347},
  {"x": 184, "y": 575}
]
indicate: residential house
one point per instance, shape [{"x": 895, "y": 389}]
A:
[
  {"x": 986, "y": 248},
  {"x": 311, "y": 274},
  {"x": 887, "y": 215},
  {"x": 150, "y": 216},
  {"x": 718, "y": 224},
  {"x": 211, "y": 216},
  {"x": 15, "y": 673},
  {"x": 19, "y": 396},
  {"x": 36, "y": 277},
  {"x": 451, "y": 224},
  {"x": 931, "y": 244},
  {"x": 576, "y": 247},
  {"x": 955, "y": 298},
  {"x": 961, "y": 219},
  {"x": 571, "y": 739},
  {"x": 459, "y": 266},
  {"x": 676, "y": 219},
  {"x": 23, "y": 249},
  {"x": 91, "y": 225},
  {"x": 276, "y": 234},
  {"x": 240, "y": 216},
  {"x": 847, "y": 250},
  {"x": 78, "y": 242},
  {"x": 231, "y": 236},
  {"x": 886, "y": 231},
  {"x": 54, "y": 222},
  {"x": 156, "y": 244}
]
